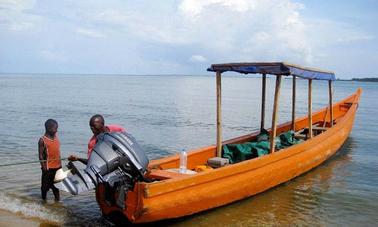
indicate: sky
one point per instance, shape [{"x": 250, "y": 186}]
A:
[{"x": 186, "y": 36}]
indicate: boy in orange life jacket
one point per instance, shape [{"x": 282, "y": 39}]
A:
[{"x": 49, "y": 155}]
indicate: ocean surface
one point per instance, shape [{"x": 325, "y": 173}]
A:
[{"x": 167, "y": 114}]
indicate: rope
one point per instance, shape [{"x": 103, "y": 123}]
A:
[{"x": 29, "y": 162}]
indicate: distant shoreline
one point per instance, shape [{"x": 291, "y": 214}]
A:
[{"x": 372, "y": 79}]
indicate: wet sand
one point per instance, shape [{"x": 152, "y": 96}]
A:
[{"x": 11, "y": 219}]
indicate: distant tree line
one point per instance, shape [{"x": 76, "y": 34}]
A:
[{"x": 373, "y": 79}]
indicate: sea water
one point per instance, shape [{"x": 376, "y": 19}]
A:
[{"x": 168, "y": 114}]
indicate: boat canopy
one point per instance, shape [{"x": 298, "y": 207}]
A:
[{"x": 274, "y": 68}]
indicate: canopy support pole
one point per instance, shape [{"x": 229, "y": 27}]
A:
[
  {"x": 219, "y": 114},
  {"x": 310, "y": 108},
  {"x": 293, "y": 105},
  {"x": 263, "y": 95},
  {"x": 330, "y": 102},
  {"x": 274, "y": 115}
]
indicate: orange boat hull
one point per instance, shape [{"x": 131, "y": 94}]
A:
[{"x": 181, "y": 195}]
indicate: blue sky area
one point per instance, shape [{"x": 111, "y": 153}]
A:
[{"x": 186, "y": 36}]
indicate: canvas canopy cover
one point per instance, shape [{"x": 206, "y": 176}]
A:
[{"x": 274, "y": 68}]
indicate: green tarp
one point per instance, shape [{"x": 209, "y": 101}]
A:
[{"x": 240, "y": 152}]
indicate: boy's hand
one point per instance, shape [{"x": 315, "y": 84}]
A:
[{"x": 72, "y": 158}]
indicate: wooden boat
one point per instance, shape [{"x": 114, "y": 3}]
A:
[{"x": 175, "y": 195}]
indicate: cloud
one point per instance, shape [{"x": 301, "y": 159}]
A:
[
  {"x": 180, "y": 33},
  {"x": 90, "y": 33},
  {"x": 18, "y": 5},
  {"x": 327, "y": 34},
  {"x": 52, "y": 56},
  {"x": 197, "y": 58},
  {"x": 111, "y": 16},
  {"x": 248, "y": 30},
  {"x": 354, "y": 38},
  {"x": 195, "y": 7},
  {"x": 14, "y": 17},
  {"x": 237, "y": 30}
]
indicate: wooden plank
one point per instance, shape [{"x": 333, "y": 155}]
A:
[
  {"x": 274, "y": 115},
  {"x": 263, "y": 97},
  {"x": 318, "y": 128},
  {"x": 300, "y": 136},
  {"x": 293, "y": 104},
  {"x": 310, "y": 108},
  {"x": 330, "y": 102},
  {"x": 219, "y": 114},
  {"x": 164, "y": 174}
]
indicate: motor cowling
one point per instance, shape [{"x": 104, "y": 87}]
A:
[{"x": 117, "y": 161}]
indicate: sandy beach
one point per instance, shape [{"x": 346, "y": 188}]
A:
[{"x": 10, "y": 219}]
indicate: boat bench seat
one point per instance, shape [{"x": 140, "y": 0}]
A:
[
  {"x": 300, "y": 136},
  {"x": 316, "y": 131},
  {"x": 319, "y": 128},
  {"x": 161, "y": 174}
]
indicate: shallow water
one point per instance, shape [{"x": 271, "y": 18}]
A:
[{"x": 169, "y": 113}]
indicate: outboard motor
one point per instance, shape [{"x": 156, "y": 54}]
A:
[{"x": 117, "y": 161}]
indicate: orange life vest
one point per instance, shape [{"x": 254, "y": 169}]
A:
[{"x": 52, "y": 149}]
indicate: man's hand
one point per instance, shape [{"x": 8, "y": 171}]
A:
[{"x": 72, "y": 158}]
